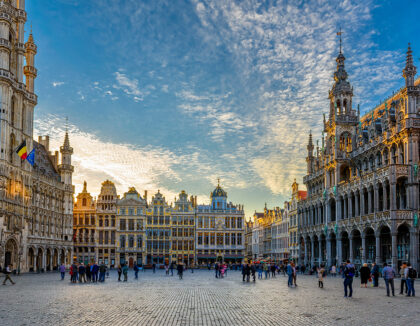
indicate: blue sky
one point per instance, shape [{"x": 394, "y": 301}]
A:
[{"x": 173, "y": 94}]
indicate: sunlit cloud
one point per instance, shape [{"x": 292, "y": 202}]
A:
[{"x": 57, "y": 83}]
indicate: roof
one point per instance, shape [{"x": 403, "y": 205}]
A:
[
  {"x": 219, "y": 192},
  {"x": 43, "y": 164}
]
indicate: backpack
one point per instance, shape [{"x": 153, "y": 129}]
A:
[
  {"x": 412, "y": 273},
  {"x": 349, "y": 271}
]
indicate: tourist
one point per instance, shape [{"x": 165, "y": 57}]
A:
[
  {"x": 180, "y": 269},
  {"x": 248, "y": 271},
  {"x": 119, "y": 271},
  {"x": 294, "y": 273},
  {"x": 410, "y": 275},
  {"x": 136, "y": 271},
  {"x": 253, "y": 270},
  {"x": 375, "y": 275},
  {"x": 364, "y": 275},
  {"x": 403, "y": 280},
  {"x": 222, "y": 269},
  {"x": 7, "y": 271},
  {"x": 95, "y": 270},
  {"x": 265, "y": 268},
  {"x": 125, "y": 272},
  {"x": 348, "y": 274},
  {"x": 216, "y": 270},
  {"x": 62, "y": 271},
  {"x": 73, "y": 272},
  {"x": 321, "y": 271},
  {"x": 154, "y": 267},
  {"x": 88, "y": 273},
  {"x": 172, "y": 268},
  {"x": 333, "y": 271},
  {"x": 260, "y": 271},
  {"x": 289, "y": 270},
  {"x": 243, "y": 272},
  {"x": 166, "y": 269},
  {"x": 102, "y": 271},
  {"x": 388, "y": 274},
  {"x": 273, "y": 270},
  {"x": 192, "y": 268},
  {"x": 82, "y": 271}
]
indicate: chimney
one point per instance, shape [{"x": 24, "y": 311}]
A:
[{"x": 45, "y": 141}]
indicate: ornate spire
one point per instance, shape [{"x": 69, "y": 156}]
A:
[
  {"x": 310, "y": 145},
  {"x": 84, "y": 186},
  {"x": 410, "y": 70}
]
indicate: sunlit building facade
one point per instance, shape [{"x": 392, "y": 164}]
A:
[
  {"x": 363, "y": 184},
  {"x": 36, "y": 203},
  {"x": 220, "y": 230}
]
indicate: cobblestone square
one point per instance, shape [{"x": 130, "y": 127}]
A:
[{"x": 199, "y": 299}]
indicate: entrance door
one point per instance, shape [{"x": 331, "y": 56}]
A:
[
  {"x": 131, "y": 262},
  {"x": 8, "y": 258}
]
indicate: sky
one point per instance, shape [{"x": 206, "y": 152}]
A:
[{"x": 174, "y": 94}]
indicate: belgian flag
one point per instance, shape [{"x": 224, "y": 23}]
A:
[{"x": 21, "y": 150}]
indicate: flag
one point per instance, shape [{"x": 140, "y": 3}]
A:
[
  {"x": 339, "y": 33},
  {"x": 21, "y": 150},
  {"x": 31, "y": 157}
]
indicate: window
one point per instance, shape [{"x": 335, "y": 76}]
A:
[
  {"x": 233, "y": 237},
  {"x": 139, "y": 225},
  {"x": 131, "y": 225},
  {"x": 227, "y": 239},
  {"x": 113, "y": 221},
  {"x": 239, "y": 239},
  {"x": 101, "y": 221},
  {"x": 101, "y": 237},
  {"x": 212, "y": 239},
  {"x": 131, "y": 211},
  {"x": 122, "y": 241},
  {"x": 139, "y": 211},
  {"x": 92, "y": 220},
  {"x": 227, "y": 222},
  {"x": 122, "y": 224},
  {"x": 174, "y": 218},
  {"x": 106, "y": 221},
  {"x": 174, "y": 245},
  {"x": 200, "y": 238},
  {"x": 131, "y": 241},
  {"x": 84, "y": 202},
  {"x": 106, "y": 237},
  {"x": 200, "y": 222},
  {"x": 239, "y": 223},
  {"x": 220, "y": 239},
  {"x": 139, "y": 241},
  {"x": 122, "y": 211},
  {"x": 112, "y": 237}
]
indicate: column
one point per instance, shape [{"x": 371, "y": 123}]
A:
[
  {"x": 44, "y": 259},
  {"x": 320, "y": 250},
  {"x": 35, "y": 260},
  {"x": 339, "y": 251},
  {"x": 327, "y": 213},
  {"x": 393, "y": 196},
  {"x": 394, "y": 250},
  {"x": 350, "y": 205},
  {"x": 375, "y": 198},
  {"x": 361, "y": 204},
  {"x": 305, "y": 259},
  {"x": 369, "y": 210},
  {"x": 356, "y": 205},
  {"x": 312, "y": 252},
  {"x": 414, "y": 248},
  {"x": 351, "y": 248},
  {"x": 385, "y": 197},
  {"x": 337, "y": 210},
  {"x": 378, "y": 248},
  {"x": 329, "y": 258},
  {"x": 363, "y": 249}
]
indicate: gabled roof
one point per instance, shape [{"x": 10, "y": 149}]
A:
[{"x": 43, "y": 164}]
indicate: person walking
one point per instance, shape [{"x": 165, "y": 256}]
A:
[
  {"x": 243, "y": 267},
  {"x": 82, "y": 271},
  {"x": 260, "y": 271},
  {"x": 74, "y": 272},
  {"x": 88, "y": 273},
  {"x": 95, "y": 271},
  {"x": 216, "y": 270},
  {"x": 403, "y": 279},
  {"x": 410, "y": 276},
  {"x": 321, "y": 271},
  {"x": 172, "y": 268},
  {"x": 102, "y": 271},
  {"x": 7, "y": 272},
  {"x": 388, "y": 274},
  {"x": 333, "y": 271},
  {"x": 289, "y": 271},
  {"x": 253, "y": 270},
  {"x": 364, "y": 275},
  {"x": 348, "y": 274},
  {"x": 294, "y": 273},
  {"x": 166, "y": 269},
  {"x": 154, "y": 267},
  {"x": 375, "y": 275},
  {"x": 136, "y": 271},
  {"x": 180, "y": 269},
  {"x": 265, "y": 268},
  {"x": 62, "y": 271},
  {"x": 125, "y": 272},
  {"x": 273, "y": 270},
  {"x": 119, "y": 271}
]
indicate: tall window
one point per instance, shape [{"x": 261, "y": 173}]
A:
[
  {"x": 131, "y": 241},
  {"x": 139, "y": 241},
  {"x": 131, "y": 225},
  {"x": 122, "y": 224},
  {"x": 131, "y": 211},
  {"x": 122, "y": 241}
]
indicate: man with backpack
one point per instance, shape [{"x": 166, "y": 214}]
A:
[
  {"x": 410, "y": 275},
  {"x": 348, "y": 275}
]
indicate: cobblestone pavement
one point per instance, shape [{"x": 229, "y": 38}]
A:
[{"x": 199, "y": 299}]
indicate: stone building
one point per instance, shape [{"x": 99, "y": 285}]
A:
[
  {"x": 158, "y": 231},
  {"x": 106, "y": 228},
  {"x": 280, "y": 235},
  {"x": 84, "y": 227},
  {"x": 36, "y": 203},
  {"x": 297, "y": 196},
  {"x": 183, "y": 230},
  {"x": 248, "y": 240},
  {"x": 220, "y": 230},
  {"x": 131, "y": 228},
  {"x": 363, "y": 197}
]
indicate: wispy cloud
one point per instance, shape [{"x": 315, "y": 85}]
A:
[
  {"x": 57, "y": 83},
  {"x": 130, "y": 86}
]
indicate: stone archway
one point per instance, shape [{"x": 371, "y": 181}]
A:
[
  {"x": 386, "y": 245},
  {"x": 55, "y": 259},
  {"x": 370, "y": 244},
  {"x": 403, "y": 244},
  {"x": 31, "y": 259},
  {"x": 40, "y": 260},
  {"x": 345, "y": 246},
  {"x": 48, "y": 261},
  {"x": 11, "y": 253}
]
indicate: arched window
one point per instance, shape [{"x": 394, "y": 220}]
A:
[
  {"x": 122, "y": 241},
  {"x": 131, "y": 241},
  {"x": 84, "y": 202}
]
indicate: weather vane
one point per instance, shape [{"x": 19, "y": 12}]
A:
[{"x": 341, "y": 41}]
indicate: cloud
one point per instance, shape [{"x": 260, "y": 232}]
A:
[
  {"x": 57, "y": 83},
  {"x": 130, "y": 86}
]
